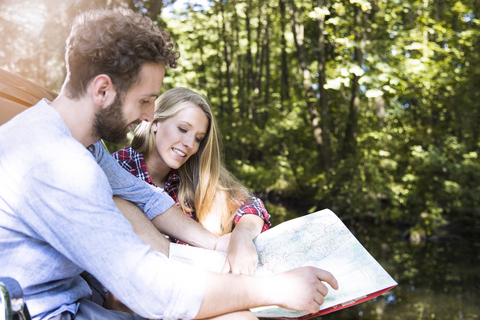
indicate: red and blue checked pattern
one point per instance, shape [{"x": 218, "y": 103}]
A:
[{"x": 134, "y": 163}]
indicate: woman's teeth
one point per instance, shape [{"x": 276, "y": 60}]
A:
[{"x": 180, "y": 153}]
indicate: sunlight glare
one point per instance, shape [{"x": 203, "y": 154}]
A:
[{"x": 181, "y": 5}]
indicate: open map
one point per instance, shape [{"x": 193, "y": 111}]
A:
[{"x": 321, "y": 240}]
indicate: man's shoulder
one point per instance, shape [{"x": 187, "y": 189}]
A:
[
  {"x": 38, "y": 136},
  {"x": 34, "y": 123}
]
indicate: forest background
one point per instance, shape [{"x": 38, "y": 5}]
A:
[{"x": 367, "y": 107}]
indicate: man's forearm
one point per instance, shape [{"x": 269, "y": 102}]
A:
[
  {"x": 178, "y": 225},
  {"x": 227, "y": 293},
  {"x": 142, "y": 226},
  {"x": 298, "y": 289}
]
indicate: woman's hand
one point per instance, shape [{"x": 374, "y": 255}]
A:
[
  {"x": 223, "y": 242},
  {"x": 242, "y": 257}
]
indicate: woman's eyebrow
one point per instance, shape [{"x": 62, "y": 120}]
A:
[{"x": 189, "y": 124}]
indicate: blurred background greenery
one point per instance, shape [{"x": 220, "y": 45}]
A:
[{"x": 367, "y": 107}]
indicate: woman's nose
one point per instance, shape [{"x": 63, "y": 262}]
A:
[{"x": 188, "y": 141}]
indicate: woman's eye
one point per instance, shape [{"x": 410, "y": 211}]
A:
[
  {"x": 198, "y": 140},
  {"x": 182, "y": 130}
]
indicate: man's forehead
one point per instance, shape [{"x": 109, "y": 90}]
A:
[
  {"x": 150, "y": 80},
  {"x": 150, "y": 69}
]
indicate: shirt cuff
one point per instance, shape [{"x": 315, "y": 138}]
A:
[{"x": 158, "y": 205}]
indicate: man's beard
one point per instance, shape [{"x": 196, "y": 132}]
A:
[{"x": 109, "y": 123}]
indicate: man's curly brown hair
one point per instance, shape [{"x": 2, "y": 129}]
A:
[{"x": 116, "y": 43}]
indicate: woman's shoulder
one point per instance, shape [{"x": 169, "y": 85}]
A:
[
  {"x": 133, "y": 162},
  {"x": 130, "y": 160},
  {"x": 125, "y": 153}
]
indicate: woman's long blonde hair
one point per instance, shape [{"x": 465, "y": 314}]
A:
[{"x": 212, "y": 192}]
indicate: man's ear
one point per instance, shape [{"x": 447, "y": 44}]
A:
[{"x": 103, "y": 92}]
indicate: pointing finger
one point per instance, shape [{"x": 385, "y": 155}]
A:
[{"x": 328, "y": 278}]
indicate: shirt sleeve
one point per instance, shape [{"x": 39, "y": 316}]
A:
[
  {"x": 68, "y": 205},
  {"x": 153, "y": 201},
  {"x": 254, "y": 206}
]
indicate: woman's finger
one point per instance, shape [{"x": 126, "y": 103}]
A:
[{"x": 226, "y": 267}]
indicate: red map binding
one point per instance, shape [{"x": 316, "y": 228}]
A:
[{"x": 340, "y": 306}]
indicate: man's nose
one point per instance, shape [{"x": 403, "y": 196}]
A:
[{"x": 149, "y": 113}]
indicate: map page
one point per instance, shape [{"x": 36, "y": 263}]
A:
[
  {"x": 320, "y": 240},
  {"x": 205, "y": 259}
]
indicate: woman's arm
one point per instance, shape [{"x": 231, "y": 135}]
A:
[
  {"x": 178, "y": 225},
  {"x": 242, "y": 255},
  {"x": 256, "y": 207},
  {"x": 250, "y": 220}
]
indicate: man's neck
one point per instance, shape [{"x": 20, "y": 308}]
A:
[{"x": 78, "y": 115}]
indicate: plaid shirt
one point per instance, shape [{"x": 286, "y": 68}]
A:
[{"x": 134, "y": 163}]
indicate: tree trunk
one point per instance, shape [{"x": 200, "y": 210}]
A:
[
  {"x": 324, "y": 107},
  {"x": 380, "y": 110},
  {"x": 350, "y": 142},
  {"x": 285, "y": 89},
  {"x": 202, "y": 70},
  {"x": 298, "y": 35},
  {"x": 226, "y": 54},
  {"x": 425, "y": 34},
  {"x": 155, "y": 9},
  {"x": 221, "y": 76},
  {"x": 438, "y": 10},
  {"x": 249, "y": 62},
  {"x": 260, "y": 52},
  {"x": 267, "y": 63},
  {"x": 240, "y": 73}
]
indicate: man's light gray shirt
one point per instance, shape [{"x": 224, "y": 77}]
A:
[{"x": 57, "y": 218}]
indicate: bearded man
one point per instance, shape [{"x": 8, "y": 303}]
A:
[{"x": 57, "y": 215}]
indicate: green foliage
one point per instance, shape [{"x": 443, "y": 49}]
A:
[
  {"x": 402, "y": 87},
  {"x": 417, "y": 137},
  {"x": 443, "y": 183}
]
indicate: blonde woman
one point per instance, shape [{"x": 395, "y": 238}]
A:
[{"x": 181, "y": 151}]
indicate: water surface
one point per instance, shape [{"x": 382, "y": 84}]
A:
[{"x": 436, "y": 280}]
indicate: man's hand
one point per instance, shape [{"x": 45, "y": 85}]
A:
[
  {"x": 301, "y": 288},
  {"x": 298, "y": 289}
]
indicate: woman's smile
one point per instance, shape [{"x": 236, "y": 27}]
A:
[
  {"x": 179, "y": 152},
  {"x": 178, "y": 137}
]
